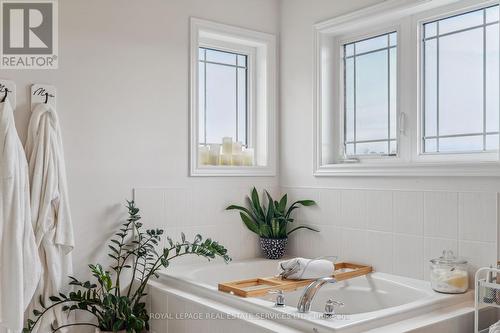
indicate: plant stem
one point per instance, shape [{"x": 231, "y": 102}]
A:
[{"x": 75, "y": 324}]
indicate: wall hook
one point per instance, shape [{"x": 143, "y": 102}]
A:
[
  {"x": 7, "y": 91},
  {"x": 47, "y": 95}
]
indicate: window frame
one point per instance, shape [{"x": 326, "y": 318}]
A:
[
  {"x": 408, "y": 17},
  {"x": 262, "y": 101}
]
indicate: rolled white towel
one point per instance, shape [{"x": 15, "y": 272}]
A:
[
  {"x": 302, "y": 268},
  {"x": 495, "y": 328}
]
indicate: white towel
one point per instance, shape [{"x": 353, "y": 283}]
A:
[
  {"x": 49, "y": 208},
  {"x": 302, "y": 268},
  {"x": 495, "y": 328},
  {"x": 20, "y": 267}
]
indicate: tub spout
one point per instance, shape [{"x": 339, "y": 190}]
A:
[{"x": 308, "y": 294}]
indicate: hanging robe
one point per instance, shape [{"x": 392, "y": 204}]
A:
[
  {"x": 20, "y": 267},
  {"x": 49, "y": 209}
]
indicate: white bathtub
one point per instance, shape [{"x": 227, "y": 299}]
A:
[{"x": 373, "y": 301}]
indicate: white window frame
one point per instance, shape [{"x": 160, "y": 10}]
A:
[
  {"x": 260, "y": 49},
  {"x": 406, "y": 18}
]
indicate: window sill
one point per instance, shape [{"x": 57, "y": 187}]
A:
[
  {"x": 232, "y": 171},
  {"x": 457, "y": 169}
]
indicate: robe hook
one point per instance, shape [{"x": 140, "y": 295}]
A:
[
  {"x": 47, "y": 95},
  {"x": 7, "y": 91}
]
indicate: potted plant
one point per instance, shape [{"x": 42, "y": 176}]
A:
[
  {"x": 117, "y": 307},
  {"x": 271, "y": 221}
]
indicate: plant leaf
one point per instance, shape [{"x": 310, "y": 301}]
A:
[
  {"x": 251, "y": 224},
  {"x": 302, "y": 227}
]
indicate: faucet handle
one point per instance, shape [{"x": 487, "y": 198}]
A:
[
  {"x": 280, "y": 297},
  {"x": 330, "y": 308}
]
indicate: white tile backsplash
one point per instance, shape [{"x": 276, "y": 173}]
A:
[
  {"x": 408, "y": 255},
  {"x": 419, "y": 226},
  {"x": 379, "y": 210},
  {"x": 408, "y": 212},
  {"x": 353, "y": 209},
  {"x": 395, "y": 231},
  {"x": 477, "y": 213},
  {"x": 441, "y": 214}
]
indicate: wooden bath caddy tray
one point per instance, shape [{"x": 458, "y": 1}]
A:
[{"x": 261, "y": 286}]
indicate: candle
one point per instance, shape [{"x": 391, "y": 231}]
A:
[
  {"x": 227, "y": 145},
  {"x": 225, "y": 159},
  {"x": 237, "y": 153},
  {"x": 214, "y": 154},
  {"x": 248, "y": 157},
  {"x": 203, "y": 155}
]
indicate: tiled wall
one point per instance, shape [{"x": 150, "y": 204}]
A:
[
  {"x": 395, "y": 231},
  {"x": 199, "y": 210},
  {"x": 398, "y": 231}
]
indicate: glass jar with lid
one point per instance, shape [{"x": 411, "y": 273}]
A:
[{"x": 449, "y": 274}]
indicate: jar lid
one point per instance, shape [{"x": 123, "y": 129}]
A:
[{"x": 448, "y": 258}]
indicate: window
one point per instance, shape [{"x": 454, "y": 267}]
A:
[
  {"x": 232, "y": 101},
  {"x": 370, "y": 85},
  {"x": 222, "y": 96},
  {"x": 460, "y": 77},
  {"x": 408, "y": 88}
]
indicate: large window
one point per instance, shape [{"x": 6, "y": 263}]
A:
[
  {"x": 223, "y": 96},
  {"x": 370, "y": 101},
  {"x": 408, "y": 88},
  {"x": 460, "y": 77}
]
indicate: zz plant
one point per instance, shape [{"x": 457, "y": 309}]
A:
[{"x": 115, "y": 306}]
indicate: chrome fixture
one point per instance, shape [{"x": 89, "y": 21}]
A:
[
  {"x": 280, "y": 298},
  {"x": 330, "y": 308},
  {"x": 308, "y": 294}
]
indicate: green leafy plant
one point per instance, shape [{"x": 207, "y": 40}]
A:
[
  {"x": 271, "y": 220},
  {"x": 114, "y": 306}
]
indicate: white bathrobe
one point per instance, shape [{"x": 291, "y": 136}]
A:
[
  {"x": 20, "y": 267},
  {"x": 49, "y": 207}
]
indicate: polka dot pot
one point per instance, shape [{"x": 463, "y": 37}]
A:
[{"x": 273, "y": 248}]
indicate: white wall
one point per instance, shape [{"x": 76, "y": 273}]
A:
[
  {"x": 123, "y": 105},
  {"x": 396, "y": 223}
]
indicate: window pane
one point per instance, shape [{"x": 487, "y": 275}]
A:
[
  {"x": 372, "y": 96},
  {"x": 371, "y": 44},
  {"x": 349, "y": 99},
  {"x": 242, "y": 60},
  {"x": 201, "y": 102},
  {"x": 430, "y": 145},
  {"x": 349, "y": 149},
  {"x": 459, "y": 22},
  {"x": 370, "y": 91},
  {"x": 393, "y": 91},
  {"x": 430, "y": 29},
  {"x": 461, "y": 83},
  {"x": 492, "y": 70},
  {"x": 372, "y": 148},
  {"x": 223, "y": 88},
  {"x": 461, "y": 144},
  {"x": 492, "y": 142},
  {"x": 242, "y": 106},
  {"x": 221, "y": 57},
  {"x": 430, "y": 89},
  {"x": 492, "y": 14},
  {"x": 393, "y": 39},
  {"x": 221, "y": 102}
]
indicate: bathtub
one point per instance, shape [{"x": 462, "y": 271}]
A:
[{"x": 370, "y": 302}]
